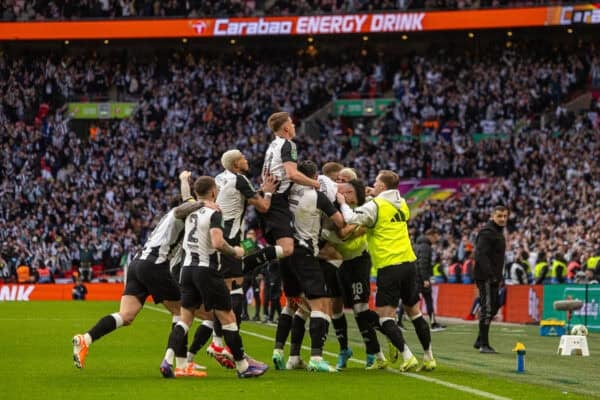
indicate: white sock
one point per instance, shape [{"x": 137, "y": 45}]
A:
[
  {"x": 190, "y": 357},
  {"x": 380, "y": 356},
  {"x": 180, "y": 362},
  {"x": 316, "y": 358},
  {"x": 184, "y": 326},
  {"x": 241, "y": 365},
  {"x": 279, "y": 252},
  {"x": 218, "y": 341},
  {"x": 118, "y": 319},
  {"x": 320, "y": 314},
  {"x": 294, "y": 359},
  {"x": 87, "y": 338},
  {"x": 406, "y": 354},
  {"x": 169, "y": 355},
  {"x": 428, "y": 354}
]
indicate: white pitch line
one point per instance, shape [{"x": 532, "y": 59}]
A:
[{"x": 429, "y": 379}]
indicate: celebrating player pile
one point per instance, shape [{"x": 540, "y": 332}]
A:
[{"x": 320, "y": 229}]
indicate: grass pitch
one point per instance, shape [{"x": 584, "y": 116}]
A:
[{"x": 36, "y": 363}]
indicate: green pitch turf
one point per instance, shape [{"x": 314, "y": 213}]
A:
[{"x": 36, "y": 363}]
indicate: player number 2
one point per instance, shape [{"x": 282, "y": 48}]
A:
[{"x": 191, "y": 238}]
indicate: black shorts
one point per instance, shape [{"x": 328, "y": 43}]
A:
[
  {"x": 277, "y": 222},
  {"x": 355, "y": 277},
  {"x": 203, "y": 285},
  {"x": 304, "y": 275},
  {"x": 146, "y": 278},
  {"x": 291, "y": 286},
  {"x": 176, "y": 272},
  {"x": 332, "y": 280},
  {"x": 230, "y": 267},
  {"x": 397, "y": 282}
]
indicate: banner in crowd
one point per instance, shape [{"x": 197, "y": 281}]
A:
[
  {"x": 30, "y": 292},
  {"x": 361, "y": 108},
  {"x": 418, "y": 191},
  {"x": 304, "y": 25},
  {"x": 589, "y": 294},
  {"x": 100, "y": 110}
]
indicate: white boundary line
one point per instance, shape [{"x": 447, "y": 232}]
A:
[{"x": 429, "y": 379}]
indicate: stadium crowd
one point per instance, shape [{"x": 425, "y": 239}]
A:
[
  {"x": 21, "y": 10},
  {"x": 73, "y": 200}
]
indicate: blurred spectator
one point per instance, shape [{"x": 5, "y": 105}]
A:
[
  {"x": 21, "y": 10},
  {"x": 44, "y": 275},
  {"x": 79, "y": 290}
]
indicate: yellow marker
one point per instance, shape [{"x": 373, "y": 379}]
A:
[{"x": 520, "y": 349}]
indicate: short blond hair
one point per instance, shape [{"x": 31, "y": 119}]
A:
[
  {"x": 349, "y": 172},
  {"x": 229, "y": 158},
  {"x": 277, "y": 120}
]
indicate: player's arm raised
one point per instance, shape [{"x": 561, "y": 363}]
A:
[{"x": 184, "y": 185}]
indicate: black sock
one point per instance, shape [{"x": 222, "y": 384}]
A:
[
  {"x": 423, "y": 332},
  {"x": 237, "y": 301},
  {"x": 181, "y": 351},
  {"x": 244, "y": 306},
  {"x": 175, "y": 339},
  {"x": 400, "y": 314},
  {"x": 283, "y": 330},
  {"x": 203, "y": 333},
  {"x": 297, "y": 335},
  {"x": 429, "y": 304},
  {"x": 368, "y": 333},
  {"x": 372, "y": 318},
  {"x": 484, "y": 331},
  {"x": 234, "y": 341},
  {"x": 103, "y": 327},
  {"x": 275, "y": 309},
  {"x": 260, "y": 257},
  {"x": 393, "y": 332},
  {"x": 256, "y": 293},
  {"x": 218, "y": 328},
  {"x": 318, "y": 328},
  {"x": 341, "y": 331}
]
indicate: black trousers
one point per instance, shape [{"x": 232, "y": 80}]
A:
[{"x": 489, "y": 300}]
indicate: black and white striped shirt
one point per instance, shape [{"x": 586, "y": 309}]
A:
[
  {"x": 307, "y": 206},
  {"x": 197, "y": 243},
  {"x": 279, "y": 152},
  {"x": 234, "y": 191},
  {"x": 163, "y": 239}
]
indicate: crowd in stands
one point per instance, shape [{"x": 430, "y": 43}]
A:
[
  {"x": 39, "y": 10},
  {"x": 68, "y": 199},
  {"x": 304, "y": 7}
]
